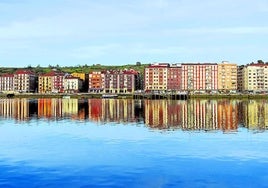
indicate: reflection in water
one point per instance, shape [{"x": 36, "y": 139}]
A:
[{"x": 197, "y": 114}]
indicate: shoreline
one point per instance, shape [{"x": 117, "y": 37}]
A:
[{"x": 136, "y": 96}]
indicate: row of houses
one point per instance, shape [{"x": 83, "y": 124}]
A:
[
  {"x": 115, "y": 81},
  {"x": 207, "y": 77},
  {"x": 158, "y": 77}
]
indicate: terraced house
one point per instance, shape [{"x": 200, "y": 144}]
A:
[{"x": 51, "y": 82}]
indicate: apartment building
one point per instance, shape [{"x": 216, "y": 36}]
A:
[
  {"x": 96, "y": 82},
  {"x": 84, "y": 77},
  {"x": 24, "y": 81},
  {"x": 6, "y": 82},
  {"x": 156, "y": 77},
  {"x": 174, "y": 77},
  {"x": 227, "y": 77},
  {"x": 72, "y": 84},
  {"x": 121, "y": 81},
  {"x": 51, "y": 82},
  {"x": 254, "y": 77},
  {"x": 201, "y": 77}
]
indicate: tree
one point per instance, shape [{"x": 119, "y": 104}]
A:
[
  {"x": 138, "y": 63},
  {"x": 260, "y": 62}
]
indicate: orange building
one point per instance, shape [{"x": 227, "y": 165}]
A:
[{"x": 96, "y": 82}]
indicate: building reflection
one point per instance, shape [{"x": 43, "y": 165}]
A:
[
  {"x": 192, "y": 115},
  {"x": 112, "y": 110},
  {"x": 207, "y": 115},
  {"x": 19, "y": 109},
  {"x": 256, "y": 114}
]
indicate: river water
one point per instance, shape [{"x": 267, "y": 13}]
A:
[{"x": 133, "y": 143}]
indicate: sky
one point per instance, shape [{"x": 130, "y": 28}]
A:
[{"x": 118, "y": 32}]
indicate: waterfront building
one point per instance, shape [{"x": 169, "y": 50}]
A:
[
  {"x": 51, "y": 82},
  {"x": 156, "y": 77},
  {"x": 255, "y": 77},
  {"x": 7, "y": 83},
  {"x": 227, "y": 77},
  {"x": 96, "y": 82},
  {"x": 199, "y": 77},
  {"x": 24, "y": 81},
  {"x": 174, "y": 77},
  {"x": 84, "y": 77},
  {"x": 121, "y": 81},
  {"x": 72, "y": 84}
]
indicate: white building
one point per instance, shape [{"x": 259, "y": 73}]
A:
[{"x": 72, "y": 84}]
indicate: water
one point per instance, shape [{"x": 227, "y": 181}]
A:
[{"x": 130, "y": 143}]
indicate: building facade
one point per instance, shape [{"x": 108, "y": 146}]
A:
[
  {"x": 51, "y": 82},
  {"x": 24, "y": 81},
  {"x": 7, "y": 83},
  {"x": 254, "y": 77},
  {"x": 174, "y": 77},
  {"x": 121, "y": 81},
  {"x": 156, "y": 77},
  {"x": 72, "y": 84},
  {"x": 96, "y": 82},
  {"x": 227, "y": 77},
  {"x": 201, "y": 77}
]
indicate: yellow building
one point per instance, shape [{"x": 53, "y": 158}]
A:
[
  {"x": 227, "y": 76},
  {"x": 82, "y": 76},
  {"x": 51, "y": 82}
]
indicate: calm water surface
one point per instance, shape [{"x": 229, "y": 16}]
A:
[{"x": 133, "y": 143}]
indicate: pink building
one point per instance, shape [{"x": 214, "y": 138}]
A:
[
  {"x": 121, "y": 81},
  {"x": 199, "y": 77}
]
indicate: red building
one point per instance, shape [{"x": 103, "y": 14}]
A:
[{"x": 174, "y": 77}]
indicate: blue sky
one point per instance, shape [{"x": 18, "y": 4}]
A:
[{"x": 116, "y": 32}]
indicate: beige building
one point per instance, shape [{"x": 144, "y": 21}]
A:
[
  {"x": 24, "y": 81},
  {"x": 227, "y": 77},
  {"x": 254, "y": 77},
  {"x": 156, "y": 77}
]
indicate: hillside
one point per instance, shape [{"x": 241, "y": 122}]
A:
[{"x": 79, "y": 68}]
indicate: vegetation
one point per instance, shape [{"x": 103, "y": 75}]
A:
[{"x": 79, "y": 68}]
